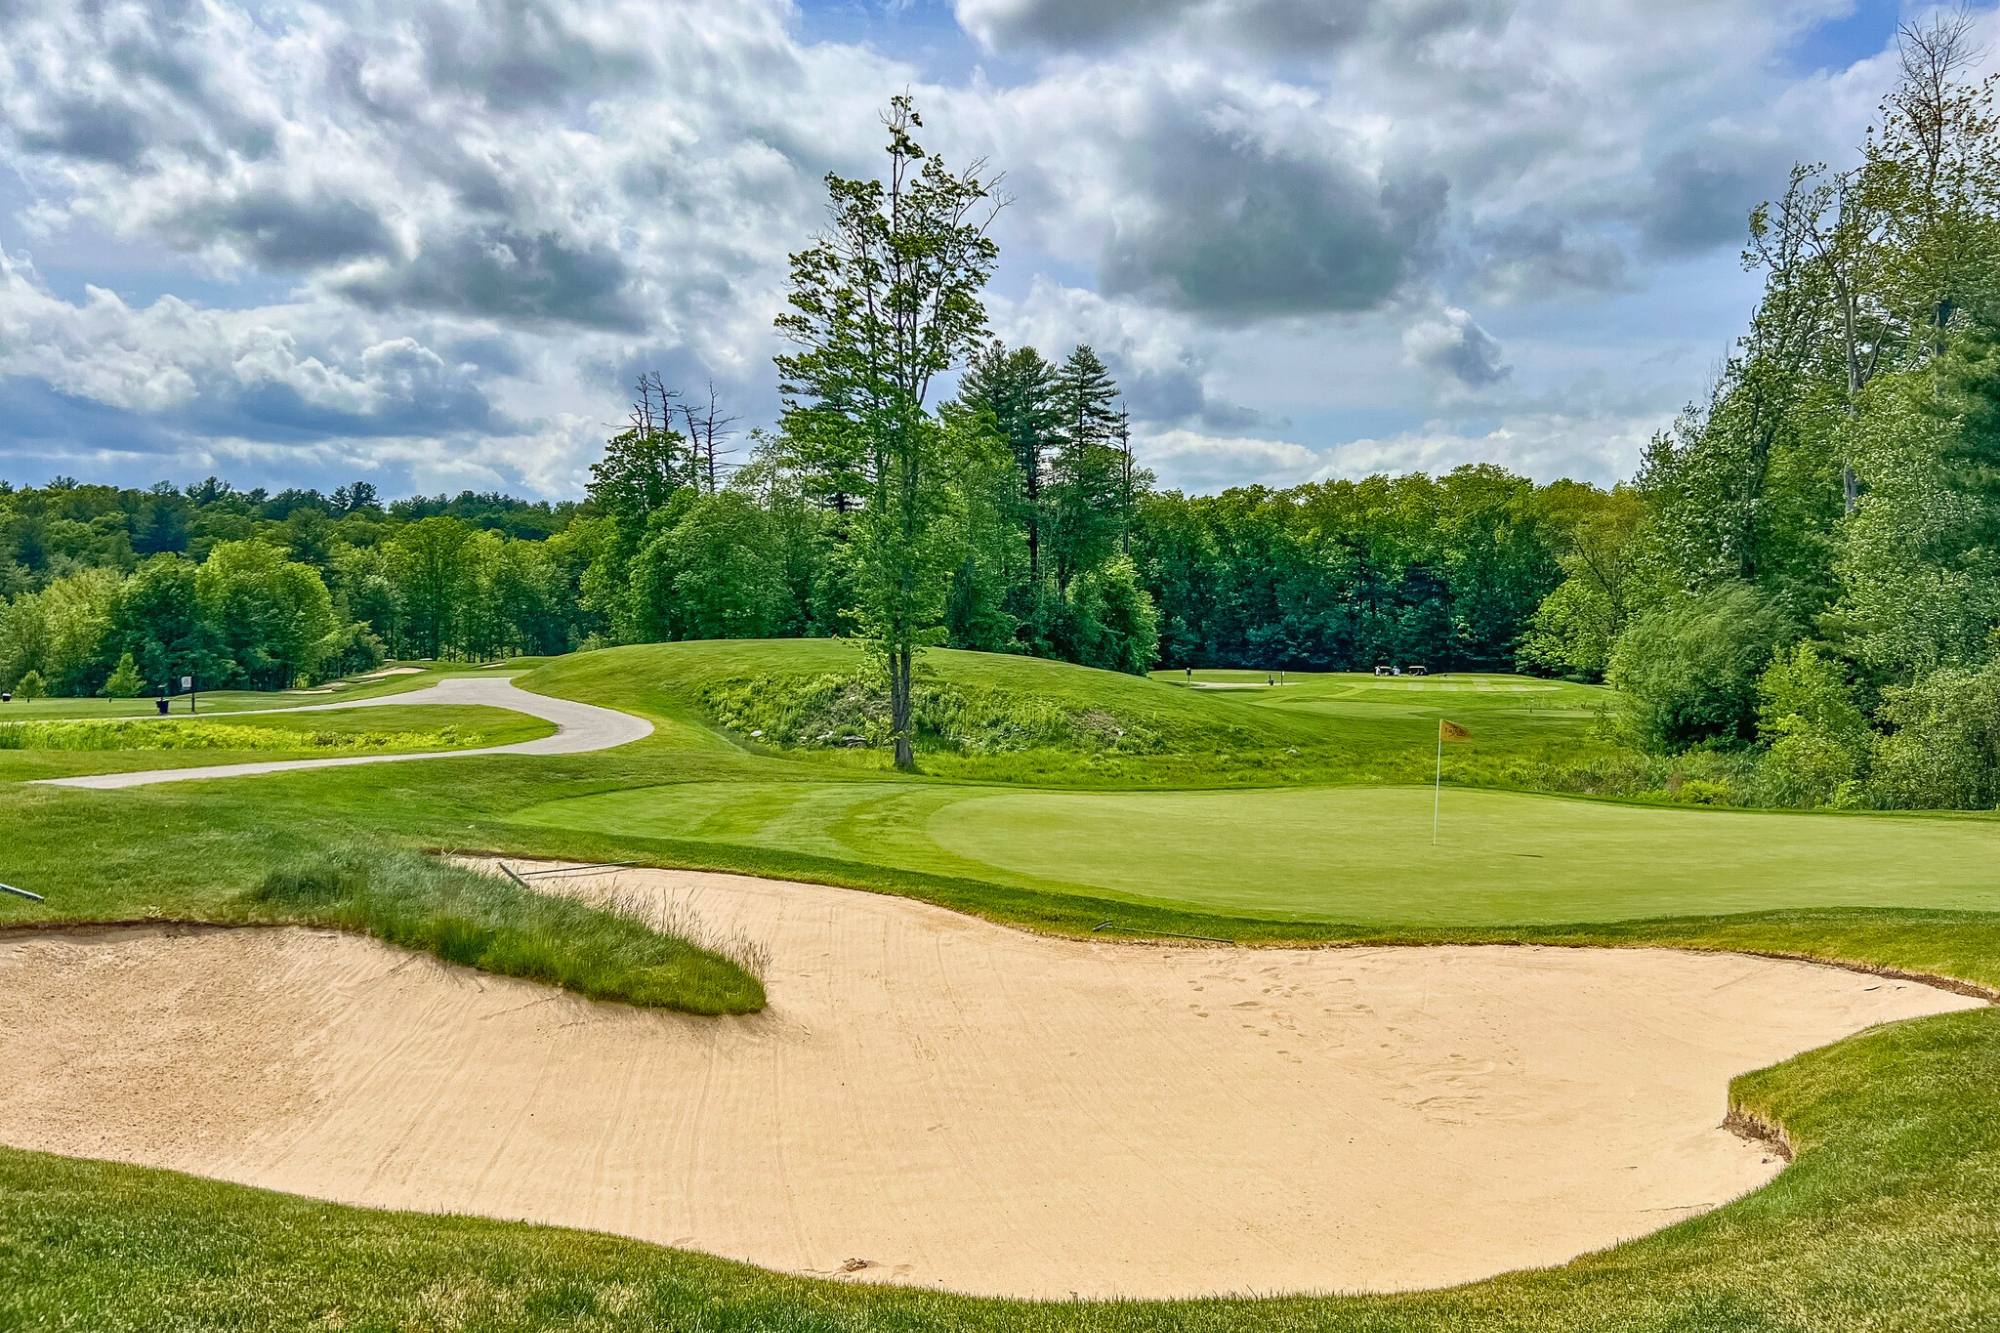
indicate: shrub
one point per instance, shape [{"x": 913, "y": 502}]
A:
[
  {"x": 124, "y": 682},
  {"x": 836, "y": 710},
  {"x": 30, "y": 686},
  {"x": 1803, "y": 690},
  {"x": 1804, "y": 768},
  {"x": 133, "y": 734},
  {"x": 1944, "y": 751},
  {"x": 1689, "y": 670}
]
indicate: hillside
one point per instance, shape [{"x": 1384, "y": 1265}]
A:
[{"x": 996, "y": 717}]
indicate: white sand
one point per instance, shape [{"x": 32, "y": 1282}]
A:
[{"x": 944, "y": 1101}]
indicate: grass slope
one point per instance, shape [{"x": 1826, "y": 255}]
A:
[{"x": 990, "y": 717}]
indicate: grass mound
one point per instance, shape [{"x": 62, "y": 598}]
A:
[
  {"x": 477, "y": 921},
  {"x": 980, "y": 714},
  {"x": 992, "y": 717}
]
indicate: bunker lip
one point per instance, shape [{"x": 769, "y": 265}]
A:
[
  {"x": 1142, "y": 937},
  {"x": 938, "y": 1101}
]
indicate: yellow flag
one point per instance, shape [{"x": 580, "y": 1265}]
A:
[{"x": 1451, "y": 731}]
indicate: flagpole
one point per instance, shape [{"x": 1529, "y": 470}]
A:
[{"x": 1437, "y": 785}]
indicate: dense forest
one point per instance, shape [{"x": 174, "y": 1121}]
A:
[
  {"x": 1796, "y": 594},
  {"x": 300, "y": 585}
]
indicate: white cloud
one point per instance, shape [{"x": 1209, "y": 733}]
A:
[
  {"x": 1275, "y": 218},
  {"x": 1450, "y": 342}
]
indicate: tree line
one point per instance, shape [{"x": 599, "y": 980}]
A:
[
  {"x": 126, "y": 591},
  {"x": 1804, "y": 581}
]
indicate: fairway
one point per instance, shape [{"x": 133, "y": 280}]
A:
[{"x": 1353, "y": 854}]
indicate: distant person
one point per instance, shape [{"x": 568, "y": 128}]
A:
[{"x": 1190, "y": 672}]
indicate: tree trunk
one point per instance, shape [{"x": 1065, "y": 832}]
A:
[{"x": 899, "y": 707}]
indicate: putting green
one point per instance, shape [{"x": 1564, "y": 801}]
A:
[{"x": 1348, "y": 854}]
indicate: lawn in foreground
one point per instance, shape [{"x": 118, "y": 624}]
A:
[{"x": 1360, "y": 855}]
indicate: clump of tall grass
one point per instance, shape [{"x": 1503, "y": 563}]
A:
[
  {"x": 678, "y": 918},
  {"x": 176, "y": 735},
  {"x": 495, "y": 925}
]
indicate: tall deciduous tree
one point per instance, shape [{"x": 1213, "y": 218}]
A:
[{"x": 882, "y": 304}]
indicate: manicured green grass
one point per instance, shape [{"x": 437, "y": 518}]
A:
[
  {"x": 1884, "y": 1221},
  {"x": 69, "y": 747},
  {"x": 1359, "y": 855}
]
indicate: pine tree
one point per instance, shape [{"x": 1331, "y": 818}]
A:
[
  {"x": 1018, "y": 388},
  {"x": 1084, "y": 473}
]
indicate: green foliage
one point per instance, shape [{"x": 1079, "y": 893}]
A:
[
  {"x": 1083, "y": 497},
  {"x": 1112, "y": 623},
  {"x": 710, "y": 570},
  {"x": 1807, "y": 769},
  {"x": 1818, "y": 738},
  {"x": 830, "y": 712},
  {"x": 1689, "y": 670},
  {"x": 1917, "y": 578},
  {"x": 125, "y": 681},
  {"x": 1594, "y": 536},
  {"x": 272, "y": 616},
  {"x": 30, "y": 687},
  {"x": 879, "y": 307},
  {"x": 1944, "y": 750}
]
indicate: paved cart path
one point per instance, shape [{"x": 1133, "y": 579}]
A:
[{"x": 580, "y": 728}]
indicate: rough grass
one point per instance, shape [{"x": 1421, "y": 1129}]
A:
[
  {"x": 141, "y": 735},
  {"x": 496, "y": 926}
]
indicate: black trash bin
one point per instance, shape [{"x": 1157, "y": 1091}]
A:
[{"x": 161, "y": 704}]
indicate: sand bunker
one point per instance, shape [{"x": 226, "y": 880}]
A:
[{"x": 935, "y": 1100}]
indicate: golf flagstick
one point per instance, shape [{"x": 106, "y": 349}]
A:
[
  {"x": 1437, "y": 785},
  {"x": 1447, "y": 731}
]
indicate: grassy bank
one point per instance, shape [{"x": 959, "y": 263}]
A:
[{"x": 479, "y": 921}]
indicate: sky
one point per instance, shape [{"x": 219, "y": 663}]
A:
[{"x": 432, "y": 243}]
